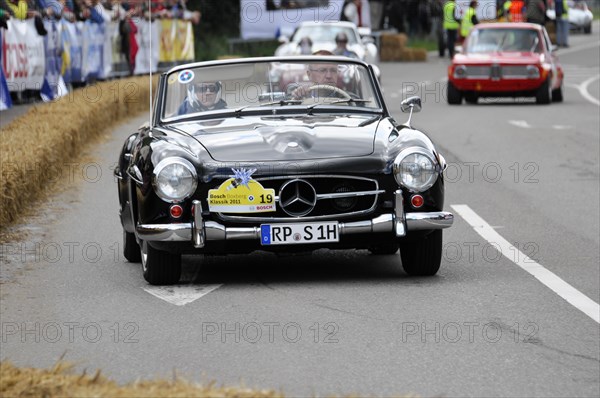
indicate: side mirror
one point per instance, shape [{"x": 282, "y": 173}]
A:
[
  {"x": 458, "y": 49},
  {"x": 554, "y": 48},
  {"x": 368, "y": 39},
  {"x": 283, "y": 39},
  {"x": 411, "y": 104}
]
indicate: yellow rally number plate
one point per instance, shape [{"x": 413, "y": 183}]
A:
[{"x": 232, "y": 197}]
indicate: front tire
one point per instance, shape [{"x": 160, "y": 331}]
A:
[
  {"x": 557, "y": 95},
  {"x": 454, "y": 95},
  {"x": 160, "y": 267},
  {"x": 422, "y": 258},
  {"x": 544, "y": 93},
  {"x": 131, "y": 249},
  {"x": 587, "y": 29}
]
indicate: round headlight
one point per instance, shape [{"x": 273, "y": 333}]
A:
[
  {"x": 460, "y": 72},
  {"x": 415, "y": 169},
  {"x": 174, "y": 179}
]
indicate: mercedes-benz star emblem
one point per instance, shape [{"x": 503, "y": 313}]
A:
[{"x": 297, "y": 197}]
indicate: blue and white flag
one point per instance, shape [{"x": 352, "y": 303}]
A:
[
  {"x": 5, "y": 101},
  {"x": 54, "y": 85}
]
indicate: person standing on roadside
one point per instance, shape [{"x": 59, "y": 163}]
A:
[
  {"x": 516, "y": 11},
  {"x": 536, "y": 11},
  {"x": 562, "y": 23},
  {"x": 451, "y": 25},
  {"x": 469, "y": 19},
  {"x": 351, "y": 11}
]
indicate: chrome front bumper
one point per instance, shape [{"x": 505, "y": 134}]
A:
[{"x": 199, "y": 231}]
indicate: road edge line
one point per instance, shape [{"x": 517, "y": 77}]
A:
[{"x": 545, "y": 276}]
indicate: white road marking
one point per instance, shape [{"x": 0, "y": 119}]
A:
[
  {"x": 520, "y": 123},
  {"x": 583, "y": 90},
  {"x": 570, "y": 50},
  {"x": 180, "y": 294},
  {"x": 548, "y": 278},
  {"x": 561, "y": 127}
]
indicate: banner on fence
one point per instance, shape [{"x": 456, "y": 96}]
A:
[
  {"x": 83, "y": 51},
  {"x": 176, "y": 41},
  {"x": 23, "y": 56},
  {"x": 147, "y": 56}
]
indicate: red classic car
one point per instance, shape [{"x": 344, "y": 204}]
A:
[{"x": 506, "y": 60}]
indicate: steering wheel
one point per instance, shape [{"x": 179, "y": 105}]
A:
[{"x": 334, "y": 90}]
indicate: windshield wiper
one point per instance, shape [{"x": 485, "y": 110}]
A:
[
  {"x": 238, "y": 111},
  {"x": 341, "y": 101},
  {"x": 347, "y": 101},
  {"x": 283, "y": 102}
]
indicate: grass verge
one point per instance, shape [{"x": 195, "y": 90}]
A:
[{"x": 60, "y": 381}]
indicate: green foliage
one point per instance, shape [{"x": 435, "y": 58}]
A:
[
  {"x": 209, "y": 47},
  {"x": 219, "y": 29},
  {"x": 219, "y": 17},
  {"x": 427, "y": 44},
  {"x": 220, "y": 21}
]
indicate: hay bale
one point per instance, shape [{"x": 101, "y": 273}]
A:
[
  {"x": 387, "y": 54},
  {"x": 419, "y": 54},
  {"x": 394, "y": 40},
  {"x": 61, "y": 381},
  {"x": 406, "y": 54},
  {"x": 44, "y": 141}
]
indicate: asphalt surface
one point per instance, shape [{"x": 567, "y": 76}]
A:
[{"x": 349, "y": 322}]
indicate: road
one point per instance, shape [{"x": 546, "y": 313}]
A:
[{"x": 512, "y": 312}]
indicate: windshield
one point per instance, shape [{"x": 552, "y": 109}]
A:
[
  {"x": 495, "y": 40},
  {"x": 325, "y": 33},
  {"x": 274, "y": 87}
]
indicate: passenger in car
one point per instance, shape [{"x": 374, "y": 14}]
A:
[{"x": 201, "y": 97}]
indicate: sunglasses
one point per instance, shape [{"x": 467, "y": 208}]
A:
[{"x": 207, "y": 87}]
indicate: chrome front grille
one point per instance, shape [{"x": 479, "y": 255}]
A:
[
  {"x": 336, "y": 196},
  {"x": 515, "y": 72},
  {"x": 477, "y": 72}
]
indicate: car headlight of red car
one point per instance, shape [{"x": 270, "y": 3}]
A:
[
  {"x": 533, "y": 72},
  {"x": 174, "y": 179},
  {"x": 415, "y": 169},
  {"x": 460, "y": 72}
]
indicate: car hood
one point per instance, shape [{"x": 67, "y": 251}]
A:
[
  {"x": 254, "y": 139},
  {"x": 513, "y": 57}
]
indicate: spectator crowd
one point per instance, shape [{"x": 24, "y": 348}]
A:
[{"x": 124, "y": 16}]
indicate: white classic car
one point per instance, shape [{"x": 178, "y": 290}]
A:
[
  {"x": 322, "y": 35},
  {"x": 580, "y": 16}
]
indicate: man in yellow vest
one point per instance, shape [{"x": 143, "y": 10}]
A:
[
  {"x": 469, "y": 19},
  {"x": 451, "y": 25},
  {"x": 562, "y": 23},
  {"x": 503, "y": 14}
]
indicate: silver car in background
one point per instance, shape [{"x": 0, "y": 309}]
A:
[
  {"x": 322, "y": 35},
  {"x": 580, "y": 16}
]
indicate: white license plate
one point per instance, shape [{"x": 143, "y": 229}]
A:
[{"x": 291, "y": 234}]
